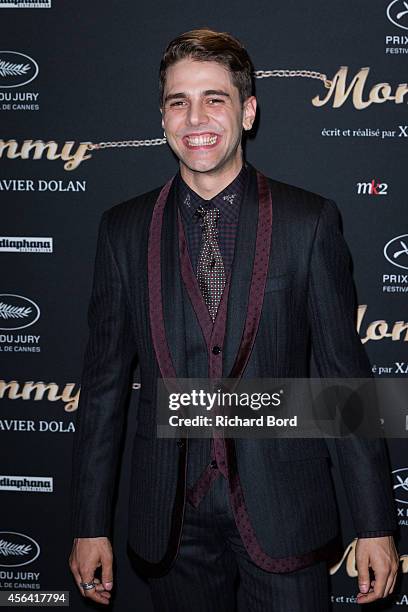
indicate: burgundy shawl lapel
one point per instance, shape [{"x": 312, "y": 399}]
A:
[
  {"x": 248, "y": 275},
  {"x": 166, "y": 311}
]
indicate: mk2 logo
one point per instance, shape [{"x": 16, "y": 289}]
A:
[{"x": 373, "y": 187}]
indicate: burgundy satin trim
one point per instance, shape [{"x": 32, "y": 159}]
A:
[
  {"x": 156, "y": 570},
  {"x": 255, "y": 302},
  {"x": 249, "y": 538},
  {"x": 191, "y": 284},
  {"x": 157, "y": 327},
  {"x": 213, "y": 332},
  {"x": 200, "y": 489},
  {"x": 258, "y": 280},
  {"x": 166, "y": 366}
]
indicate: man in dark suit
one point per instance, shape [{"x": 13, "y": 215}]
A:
[{"x": 222, "y": 272}]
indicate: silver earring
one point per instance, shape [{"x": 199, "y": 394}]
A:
[{"x": 164, "y": 135}]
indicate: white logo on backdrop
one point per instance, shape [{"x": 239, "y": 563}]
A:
[
  {"x": 17, "y": 549},
  {"x": 397, "y": 13},
  {"x": 15, "y": 308},
  {"x": 401, "y": 485},
  {"x": 396, "y": 251},
  {"x": 16, "y": 69}
]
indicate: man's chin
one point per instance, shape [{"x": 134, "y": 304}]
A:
[{"x": 201, "y": 166}]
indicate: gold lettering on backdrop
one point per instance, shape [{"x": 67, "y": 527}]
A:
[
  {"x": 42, "y": 391},
  {"x": 39, "y": 147},
  {"x": 11, "y": 146},
  {"x": 12, "y": 386},
  {"x": 349, "y": 557},
  {"x": 379, "y": 93},
  {"x": 399, "y": 327},
  {"x": 378, "y": 330},
  {"x": 71, "y": 402},
  {"x": 36, "y": 149},
  {"x": 400, "y": 93}
]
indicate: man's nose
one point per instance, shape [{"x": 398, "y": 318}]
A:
[{"x": 197, "y": 113}]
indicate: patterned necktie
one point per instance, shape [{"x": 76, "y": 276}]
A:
[{"x": 210, "y": 268}]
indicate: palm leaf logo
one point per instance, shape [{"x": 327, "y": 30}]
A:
[
  {"x": 9, "y": 69},
  {"x": 8, "y": 548},
  {"x": 14, "y": 312}
]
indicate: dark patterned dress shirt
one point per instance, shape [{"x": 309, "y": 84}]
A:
[{"x": 228, "y": 202}]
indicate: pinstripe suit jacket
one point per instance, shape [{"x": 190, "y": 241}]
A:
[{"x": 308, "y": 305}]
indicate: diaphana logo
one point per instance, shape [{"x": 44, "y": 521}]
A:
[
  {"x": 397, "y": 13},
  {"x": 39, "y": 484},
  {"x": 396, "y": 251},
  {"x": 25, "y": 4},
  {"x": 26, "y": 244},
  {"x": 16, "y": 69}
]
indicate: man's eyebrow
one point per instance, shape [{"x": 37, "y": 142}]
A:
[
  {"x": 216, "y": 92},
  {"x": 207, "y": 92}
]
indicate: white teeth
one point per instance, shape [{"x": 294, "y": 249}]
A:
[{"x": 199, "y": 141}]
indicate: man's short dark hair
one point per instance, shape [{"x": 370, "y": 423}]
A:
[{"x": 206, "y": 45}]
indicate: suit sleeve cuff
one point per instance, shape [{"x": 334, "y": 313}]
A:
[{"x": 375, "y": 534}]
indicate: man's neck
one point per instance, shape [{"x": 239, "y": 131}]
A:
[{"x": 206, "y": 184}]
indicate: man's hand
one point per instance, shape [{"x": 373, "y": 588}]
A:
[
  {"x": 381, "y": 556},
  {"x": 87, "y": 554}
]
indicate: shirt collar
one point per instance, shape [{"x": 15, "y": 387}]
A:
[{"x": 227, "y": 201}]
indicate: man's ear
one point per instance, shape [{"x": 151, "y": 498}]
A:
[{"x": 249, "y": 113}]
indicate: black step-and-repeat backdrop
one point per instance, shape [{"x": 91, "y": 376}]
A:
[{"x": 332, "y": 91}]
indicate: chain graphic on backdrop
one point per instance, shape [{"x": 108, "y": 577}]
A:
[
  {"x": 339, "y": 89},
  {"x": 258, "y": 74}
]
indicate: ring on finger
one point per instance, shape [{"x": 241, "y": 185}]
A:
[{"x": 87, "y": 586}]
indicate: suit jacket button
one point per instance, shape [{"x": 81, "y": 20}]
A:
[
  {"x": 180, "y": 443},
  {"x": 216, "y": 350}
]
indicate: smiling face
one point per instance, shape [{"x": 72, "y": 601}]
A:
[{"x": 203, "y": 117}]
